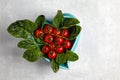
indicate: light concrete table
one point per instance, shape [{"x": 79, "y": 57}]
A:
[{"x": 99, "y": 46}]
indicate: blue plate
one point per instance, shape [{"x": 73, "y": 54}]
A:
[{"x": 66, "y": 65}]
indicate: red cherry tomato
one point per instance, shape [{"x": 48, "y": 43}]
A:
[
  {"x": 59, "y": 40},
  {"x": 38, "y": 33},
  {"x": 45, "y": 49},
  {"x": 59, "y": 49},
  {"x": 52, "y": 45},
  {"x": 47, "y": 28},
  {"x": 52, "y": 54},
  {"x": 56, "y": 31},
  {"x": 48, "y": 38},
  {"x": 65, "y": 33},
  {"x": 67, "y": 44}
]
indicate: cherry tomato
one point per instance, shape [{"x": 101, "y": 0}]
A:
[
  {"x": 59, "y": 40},
  {"x": 65, "y": 33},
  {"x": 45, "y": 49},
  {"x": 52, "y": 54},
  {"x": 56, "y": 31},
  {"x": 38, "y": 33},
  {"x": 52, "y": 45},
  {"x": 47, "y": 28},
  {"x": 67, "y": 44},
  {"x": 59, "y": 49},
  {"x": 48, "y": 38}
]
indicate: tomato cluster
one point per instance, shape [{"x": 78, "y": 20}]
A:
[{"x": 56, "y": 40}]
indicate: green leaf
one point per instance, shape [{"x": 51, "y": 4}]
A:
[
  {"x": 71, "y": 56},
  {"x": 27, "y": 44},
  {"x": 22, "y": 28},
  {"x": 61, "y": 58},
  {"x": 32, "y": 55},
  {"x": 39, "y": 40},
  {"x": 58, "y": 19},
  {"x": 40, "y": 21},
  {"x": 54, "y": 66},
  {"x": 76, "y": 33},
  {"x": 68, "y": 22}
]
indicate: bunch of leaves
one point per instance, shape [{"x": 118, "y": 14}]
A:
[{"x": 25, "y": 29}]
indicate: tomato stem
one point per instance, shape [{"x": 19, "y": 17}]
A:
[{"x": 59, "y": 36}]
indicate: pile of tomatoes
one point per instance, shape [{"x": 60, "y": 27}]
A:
[{"x": 56, "y": 40}]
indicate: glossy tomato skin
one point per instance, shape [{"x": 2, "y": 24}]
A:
[
  {"x": 48, "y": 38},
  {"x": 38, "y": 33},
  {"x": 47, "y": 28},
  {"x": 52, "y": 54},
  {"x": 59, "y": 49},
  {"x": 67, "y": 44},
  {"x": 59, "y": 40},
  {"x": 45, "y": 49},
  {"x": 65, "y": 33},
  {"x": 56, "y": 31}
]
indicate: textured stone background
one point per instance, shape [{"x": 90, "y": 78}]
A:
[{"x": 99, "y": 46}]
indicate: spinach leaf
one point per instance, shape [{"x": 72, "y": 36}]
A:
[
  {"x": 22, "y": 28},
  {"x": 58, "y": 19},
  {"x": 68, "y": 22},
  {"x": 40, "y": 21},
  {"x": 27, "y": 44},
  {"x": 71, "y": 56},
  {"x": 54, "y": 66},
  {"x": 32, "y": 55},
  {"x": 76, "y": 33},
  {"x": 61, "y": 58}
]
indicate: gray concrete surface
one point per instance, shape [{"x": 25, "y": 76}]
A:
[{"x": 99, "y": 45}]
